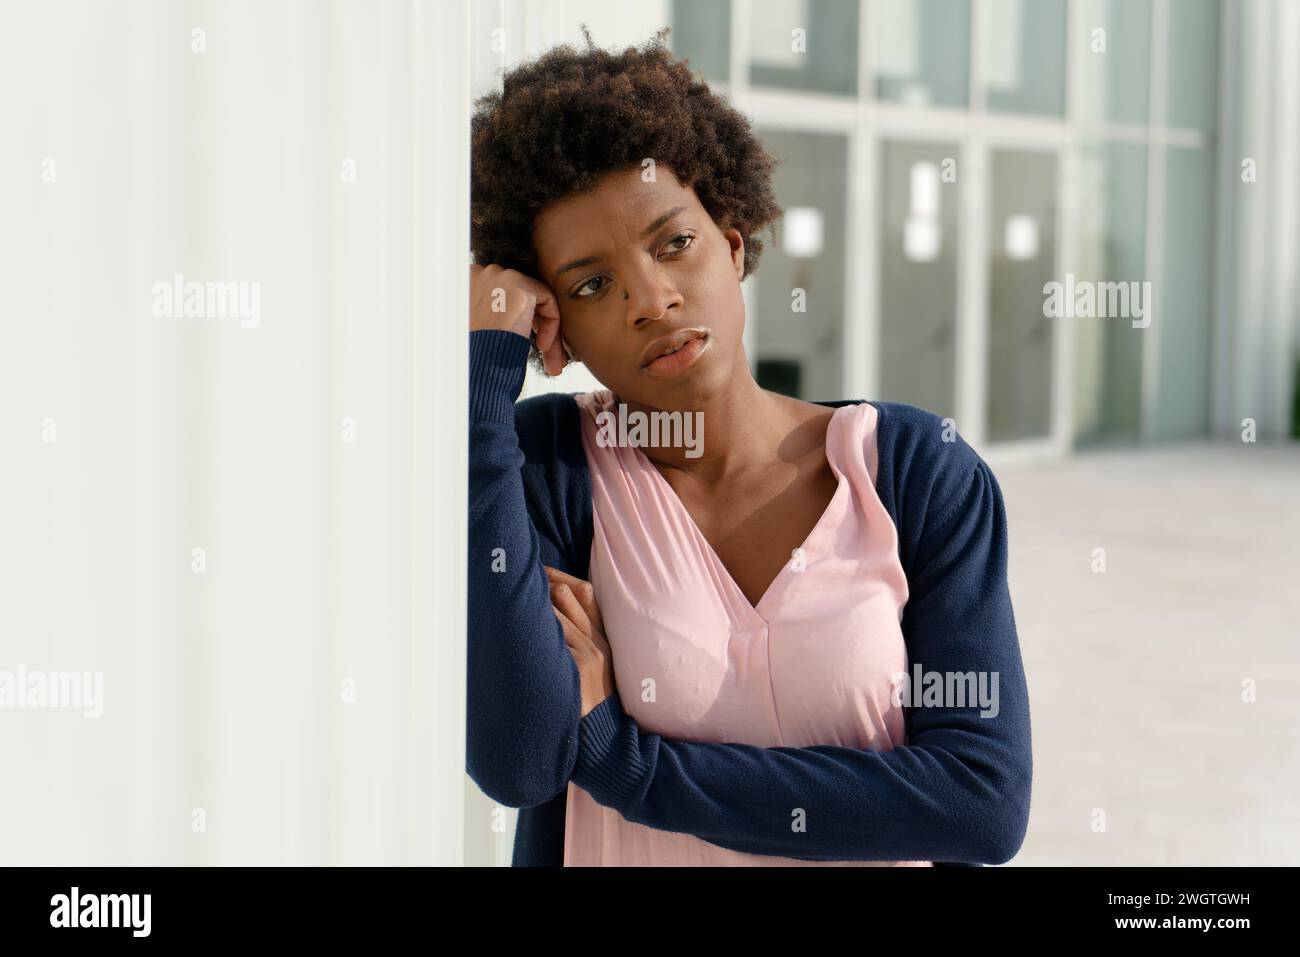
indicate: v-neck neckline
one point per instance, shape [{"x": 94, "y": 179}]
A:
[{"x": 755, "y": 610}]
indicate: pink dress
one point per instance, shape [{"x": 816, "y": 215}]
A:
[{"x": 812, "y": 663}]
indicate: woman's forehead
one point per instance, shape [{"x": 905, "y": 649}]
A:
[
  {"x": 621, "y": 206},
  {"x": 623, "y": 193}
]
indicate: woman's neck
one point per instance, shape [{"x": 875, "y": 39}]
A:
[{"x": 740, "y": 431}]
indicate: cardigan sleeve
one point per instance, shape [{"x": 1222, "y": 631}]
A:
[
  {"x": 523, "y": 693},
  {"x": 958, "y": 791}
]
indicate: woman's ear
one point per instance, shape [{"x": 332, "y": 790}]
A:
[{"x": 737, "y": 244}]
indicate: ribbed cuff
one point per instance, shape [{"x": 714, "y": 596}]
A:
[
  {"x": 609, "y": 766},
  {"x": 497, "y": 364}
]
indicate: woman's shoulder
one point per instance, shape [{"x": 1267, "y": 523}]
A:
[
  {"x": 546, "y": 407},
  {"x": 923, "y": 453},
  {"x": 557, "y": 413},
  {"x": 554, "y": 472},
  {"x": 550, "y": 431}
]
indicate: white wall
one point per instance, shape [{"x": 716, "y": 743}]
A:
[{"x": 133, "y": 439}]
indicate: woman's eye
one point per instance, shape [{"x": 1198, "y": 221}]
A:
[
  {"x": 596, "y": 284},
  {"x": 685, "y": 240},
  {"x": 586, "y": 288}
]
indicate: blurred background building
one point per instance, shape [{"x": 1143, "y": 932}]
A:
[{"x": 943, "y": 159}]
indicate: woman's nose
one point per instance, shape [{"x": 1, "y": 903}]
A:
[{"x": 650, "y": 299}]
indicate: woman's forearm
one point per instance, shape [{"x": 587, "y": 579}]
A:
[{"x": 523, "y": 690}]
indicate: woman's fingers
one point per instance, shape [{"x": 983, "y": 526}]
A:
[
  {"x": 566, "y": 602},
  {"x": 548, "y": 330},
  {"x": 546, "y": 323},
  {"x": 547, "y": 306},
  {"x": 550, "y": 344},
  {"x": 583, "y": 590},
  {"x": 595, "y": 669},
  {"x": 554, "y": 356},
  {"x": 572, "y": 635}
]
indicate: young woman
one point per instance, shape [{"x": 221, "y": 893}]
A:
[{"x": 790, "y": 640}]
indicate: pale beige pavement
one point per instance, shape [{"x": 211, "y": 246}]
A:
[{"x": 1135, "y": 674}]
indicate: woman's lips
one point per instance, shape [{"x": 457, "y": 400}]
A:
[{"x": 677, "y": 362}]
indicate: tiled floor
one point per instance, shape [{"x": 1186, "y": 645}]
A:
[{"x": 1136, "y": 673}]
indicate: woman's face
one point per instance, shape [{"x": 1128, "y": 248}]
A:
[{"x": 634, "y": 261}]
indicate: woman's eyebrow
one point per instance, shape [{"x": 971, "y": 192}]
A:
[
  {"x": 663, "y": 219},
  {"x": 588, "y": 260}
]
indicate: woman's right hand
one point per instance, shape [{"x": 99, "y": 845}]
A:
[{"x": 501, "y": 298}]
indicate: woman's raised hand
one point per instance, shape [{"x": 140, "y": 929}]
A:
[{"x": 501, "y": 298}]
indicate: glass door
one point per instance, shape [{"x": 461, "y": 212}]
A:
[
  {"x": 799, "y": 302},
  {"x": 1021, "y": 239},
  {"x": 919, "y": 205}
]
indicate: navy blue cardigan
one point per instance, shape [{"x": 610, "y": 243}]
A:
[{"x": 957, "y": 793}]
